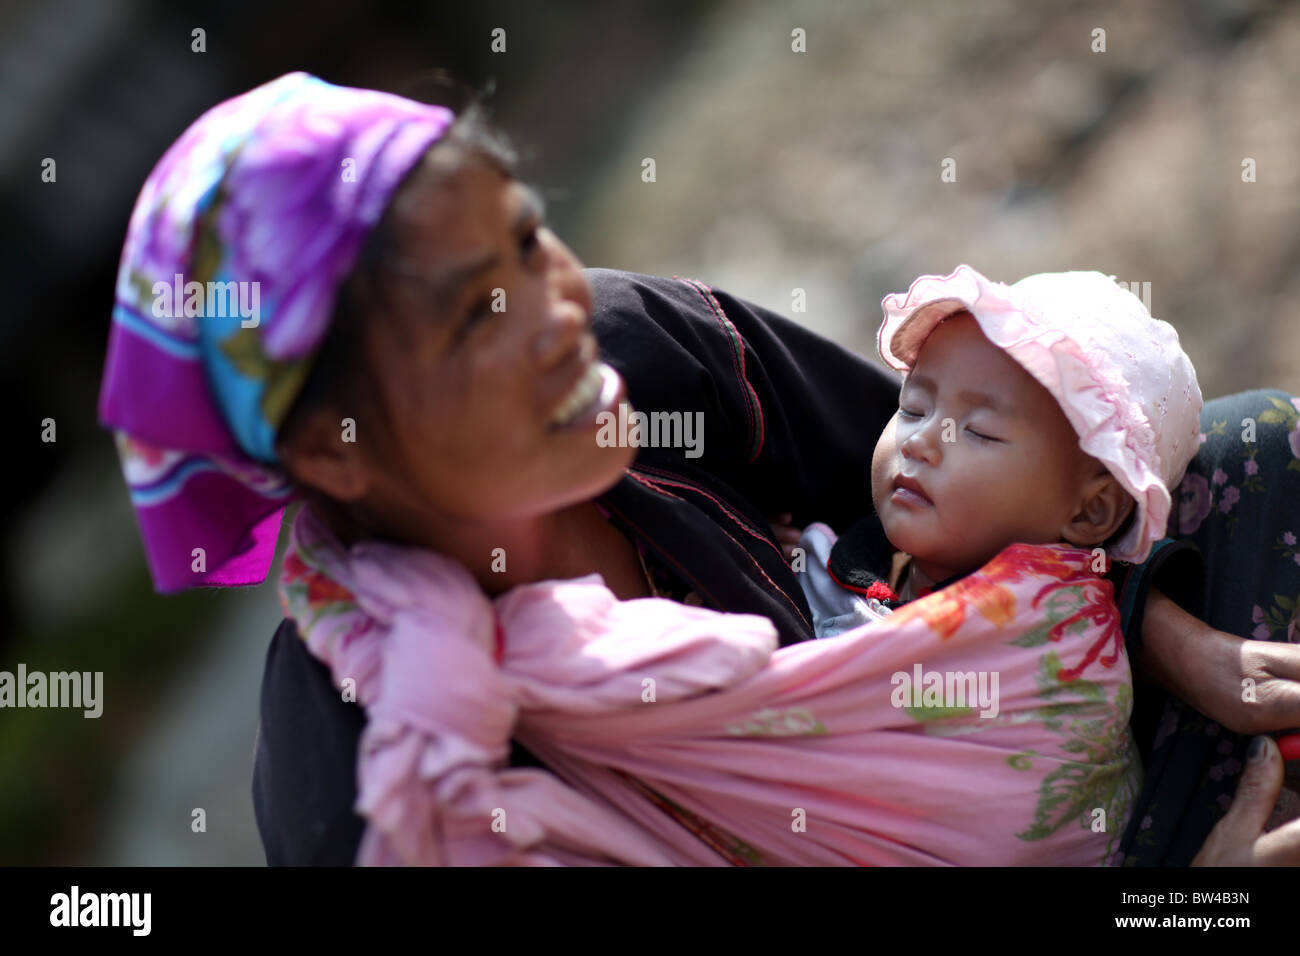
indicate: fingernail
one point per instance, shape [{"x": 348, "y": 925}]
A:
[{"x": 1258, "y": 748}]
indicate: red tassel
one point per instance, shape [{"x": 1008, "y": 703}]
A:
[{"x": 881, "y": 592}]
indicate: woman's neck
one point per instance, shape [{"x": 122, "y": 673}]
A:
[{"x": 569, "y": 543}]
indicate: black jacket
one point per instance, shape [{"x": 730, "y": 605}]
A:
[{"x": 790, "y": 423}]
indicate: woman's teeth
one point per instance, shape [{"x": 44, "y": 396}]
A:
[{"x": 584, "y": 393}]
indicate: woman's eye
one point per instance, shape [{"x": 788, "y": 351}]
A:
[
  {"x": 477, "y": 313},
  {"x": 531, "y": 242}
]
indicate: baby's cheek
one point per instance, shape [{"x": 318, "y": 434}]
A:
[{"x": 880, "y": 460}]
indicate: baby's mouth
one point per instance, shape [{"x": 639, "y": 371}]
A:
[{"x": 909, "y": 492}]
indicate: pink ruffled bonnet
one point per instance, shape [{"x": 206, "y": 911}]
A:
[{"x": 1120, "y": 375}]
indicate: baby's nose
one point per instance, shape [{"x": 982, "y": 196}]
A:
[{"x": 922, "y": 445}]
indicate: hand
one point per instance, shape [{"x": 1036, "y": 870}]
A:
[
  {"x": 1210, "y": 669},
  {"x": 1252, "y": 687},
  {"x": 1275, "y": 671},
  {"x": 787, "y": 536},
  {"x": 1238, "y": 839}
]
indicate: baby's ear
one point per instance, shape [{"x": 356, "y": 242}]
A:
[{"x": 1103, "y": 508}]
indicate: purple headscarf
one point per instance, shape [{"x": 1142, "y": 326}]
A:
[{"x": 237, "y": 246}]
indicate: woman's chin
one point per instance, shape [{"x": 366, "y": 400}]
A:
[{"x": 598, "y": 474}]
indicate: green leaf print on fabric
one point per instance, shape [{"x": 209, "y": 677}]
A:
[
  {"x": 770, "y": 722},
  {"x": 924, "y": 713},
  {"x": 1106, "y": 776},
  {"x": 1282, "y": 413}
]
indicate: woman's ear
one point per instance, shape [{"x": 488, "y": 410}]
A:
[
  {"x": 1104, "y": 507},
  {"x": 320, "y": 455}
]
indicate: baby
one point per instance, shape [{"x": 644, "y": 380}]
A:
[{"x": 1054, "y": 411}]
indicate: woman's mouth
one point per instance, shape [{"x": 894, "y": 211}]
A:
[
  {"x": 595, "y": 392},
  {"x": 909, "y": 493}
]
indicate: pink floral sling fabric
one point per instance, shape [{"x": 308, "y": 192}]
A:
[{"x": 679, "y": 735}]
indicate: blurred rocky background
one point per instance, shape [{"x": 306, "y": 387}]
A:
[{"x": 775, "y": 170}]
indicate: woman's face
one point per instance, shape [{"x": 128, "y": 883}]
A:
[{"x": 488, "y": 373}]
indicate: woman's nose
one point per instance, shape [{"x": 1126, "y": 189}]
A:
[
  {"x": 560, "y": 333},
  {"x": 566, "y": 280},
  {"x": 568, "y": 305}
]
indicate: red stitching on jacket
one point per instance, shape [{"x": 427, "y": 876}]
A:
[
  {"x": 690, "y": 578},
  {"x": 737, "y": 363},
  {"x": 669, "y": 478},
  {"x": 654, "y": 487}
]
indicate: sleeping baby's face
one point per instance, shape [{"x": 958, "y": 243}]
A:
[{"x": 980, "y": 456}]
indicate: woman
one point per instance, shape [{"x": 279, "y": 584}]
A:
[{"x": 402, "y": 264}]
